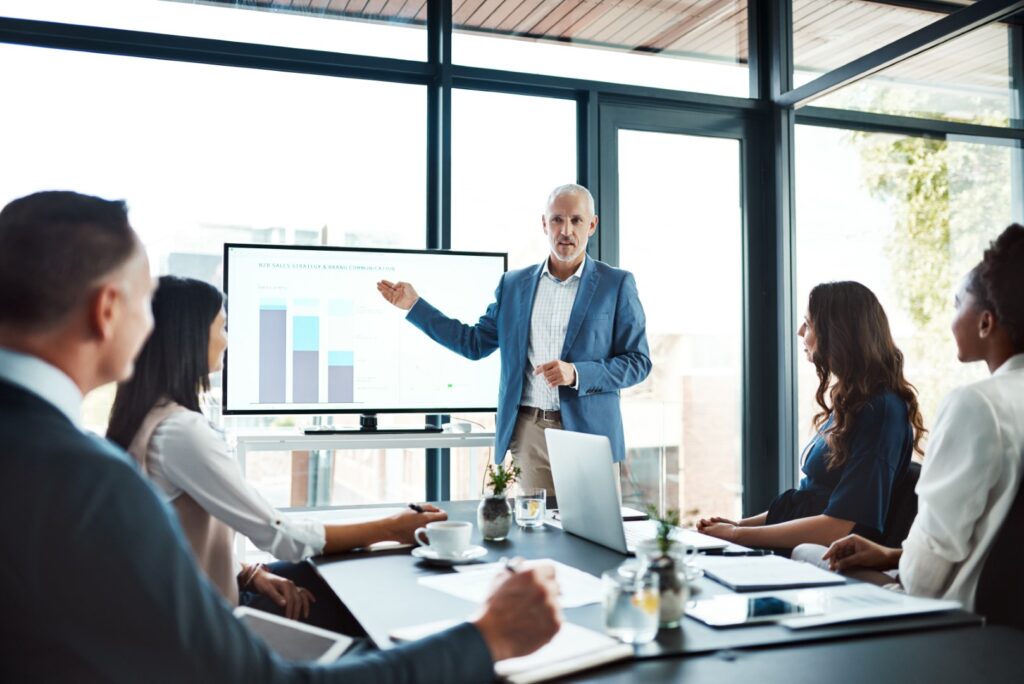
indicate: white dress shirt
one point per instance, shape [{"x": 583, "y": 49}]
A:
[
  {"x": 970, "y": 478},
  {"x": 44, "y": 380},
  {"x": 187, "y": 455},
  {"x": 549, "y": 321}
]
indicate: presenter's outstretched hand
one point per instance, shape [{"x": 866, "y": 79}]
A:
[
  {"x": 557, "y": 373},
  {"x": 522, "y": 612},
  {"x": 854, "y": 551},
  {"x": 402, "y": 295}
]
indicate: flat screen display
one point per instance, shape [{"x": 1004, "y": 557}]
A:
[{"x": 308, "y": 332}]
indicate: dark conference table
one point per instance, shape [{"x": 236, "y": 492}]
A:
[{"x": 381, "y": 591}]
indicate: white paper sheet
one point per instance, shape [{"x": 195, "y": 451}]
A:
[
  {"x": 473, "y": 583},
  {"x": 860, "y": 601}
]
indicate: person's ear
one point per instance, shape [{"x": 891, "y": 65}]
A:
[
  {"x": 986, "y": 324},
  {"x": 104, "y": 309},
  {"x": 593, "y": 226},
  {"x": 544, "y": 223}
]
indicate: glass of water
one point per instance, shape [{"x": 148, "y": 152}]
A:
[
  {"x": 631, "y": 602},
  {"x": 531, "y": 506}
]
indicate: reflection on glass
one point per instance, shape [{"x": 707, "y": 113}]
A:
[
  {"x": 679, "y": 44},
  {"x": 828, "y": 34},
  {"x": 966, "y": 79},
  {"x": 907, "y": 217},
  {"x": 375, "y": 28},
  {"x": 680, "y": 224}
]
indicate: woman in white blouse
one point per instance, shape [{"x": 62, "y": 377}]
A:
[
  {"x": 156, "y": 417},
  {"x": 974, "y": 462}
]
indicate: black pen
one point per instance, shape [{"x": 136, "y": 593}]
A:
[{"x": 416, "y": 507}]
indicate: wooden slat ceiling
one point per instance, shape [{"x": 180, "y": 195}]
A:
[{"x": 826, "y": 33}]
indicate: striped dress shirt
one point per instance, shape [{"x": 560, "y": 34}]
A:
[{"x": 548, "y": 323}]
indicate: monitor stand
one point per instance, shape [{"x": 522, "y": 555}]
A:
[{"x": 368, "y": 426}]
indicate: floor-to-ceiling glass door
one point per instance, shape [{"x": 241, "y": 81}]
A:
[{"x": 671, "y": 204}]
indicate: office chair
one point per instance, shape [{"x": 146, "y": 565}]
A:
[
  {"x": 902, "y": 508},
  {"x": 1000, "y": 593}
]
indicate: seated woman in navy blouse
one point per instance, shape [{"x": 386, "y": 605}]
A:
[{"x": 867, "y": 429}]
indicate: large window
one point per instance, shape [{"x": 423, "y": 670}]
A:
[
  {"x": 907, "y": 217},
  {"x": 680, "y": 218},
  {"x": 508, "y": 153},
  {"x": 206, "y": 155}
]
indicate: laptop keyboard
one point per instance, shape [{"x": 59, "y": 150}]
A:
[{"x": 638, "y": 531}]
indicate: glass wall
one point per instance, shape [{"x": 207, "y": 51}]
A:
[
  {"x": 907, "y": 217},
  {"x": 680, "y": 230}
]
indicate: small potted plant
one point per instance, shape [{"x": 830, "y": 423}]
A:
[
  {"x": 667, "y": 558},
  {"x": 494, "y": 515}
]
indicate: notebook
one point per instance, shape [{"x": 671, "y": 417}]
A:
[
  {"x": 573, "y": 649},
  {"x": 761, "y": 573}
]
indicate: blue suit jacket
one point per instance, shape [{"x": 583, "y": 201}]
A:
[{"x": 606, "y": 339}]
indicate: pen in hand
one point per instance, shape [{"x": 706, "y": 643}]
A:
[{"x": 416, "y": 507}]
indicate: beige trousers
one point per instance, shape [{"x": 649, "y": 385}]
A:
[{"x": 530, "y": 452}]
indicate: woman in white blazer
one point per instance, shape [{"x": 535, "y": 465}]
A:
[
  {"x": 974, "y": 461},
  {"x": 156, "y": 417}
]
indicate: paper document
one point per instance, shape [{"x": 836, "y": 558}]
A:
[
  {"x": 574, "y": 648},
  {"x": 759, "y": 573},
  {"x": 473, "y": 583},
  {"x": 860, "y": 601}
]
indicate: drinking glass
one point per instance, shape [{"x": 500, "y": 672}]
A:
[
  {"x": 631, "y": 602},
  {"x": 531, "y": 506}
]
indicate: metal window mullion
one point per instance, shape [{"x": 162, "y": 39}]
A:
[{"x": 439, "y": 229}]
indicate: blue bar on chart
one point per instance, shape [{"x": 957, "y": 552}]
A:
[
  {"x": 341, "y": 377},
  {"x": 305, "y": 359},
  {"x": 273, "y": 351}
]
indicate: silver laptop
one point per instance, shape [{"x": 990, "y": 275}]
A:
[{"x": 588, "y": 500}]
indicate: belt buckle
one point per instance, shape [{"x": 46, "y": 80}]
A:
[{"x": 544, "y": 414}]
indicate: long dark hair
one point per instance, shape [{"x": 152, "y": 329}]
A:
[
  {"x": 855, "y": 347},
  {"x": 174, "y": 363},
  {"x": 998, "y": 282}
]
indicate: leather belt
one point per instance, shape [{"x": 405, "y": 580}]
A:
[{"x": 534, "y": 412}]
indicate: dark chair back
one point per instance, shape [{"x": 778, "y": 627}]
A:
[
  {"x": 1000, "y": 593},
  {"x": 902, "y": 508}
]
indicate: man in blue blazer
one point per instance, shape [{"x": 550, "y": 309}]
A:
[{"x": 571, "y": 332}]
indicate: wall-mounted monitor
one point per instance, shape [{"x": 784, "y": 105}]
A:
[{"x": 308, "y": 332}]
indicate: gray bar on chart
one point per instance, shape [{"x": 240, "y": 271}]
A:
[
  {"x": 273, "y": 334},
  {"x": 341, "y": 384},
  {"x": 305, "y": 377}
]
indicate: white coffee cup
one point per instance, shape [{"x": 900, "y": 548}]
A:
[{"x": 448, "y": 538}]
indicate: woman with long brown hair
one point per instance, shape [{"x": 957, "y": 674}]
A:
[{"x": 866, "y": 430}]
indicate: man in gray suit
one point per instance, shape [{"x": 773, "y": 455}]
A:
[{"x": 102, "y": 581}]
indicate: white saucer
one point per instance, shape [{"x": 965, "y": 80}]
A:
[{"x": 472, "y": 553}]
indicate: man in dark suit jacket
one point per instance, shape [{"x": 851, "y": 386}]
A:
[
  {"x": 101, "y": 585},
  {"x": 571, "y": 332}
]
